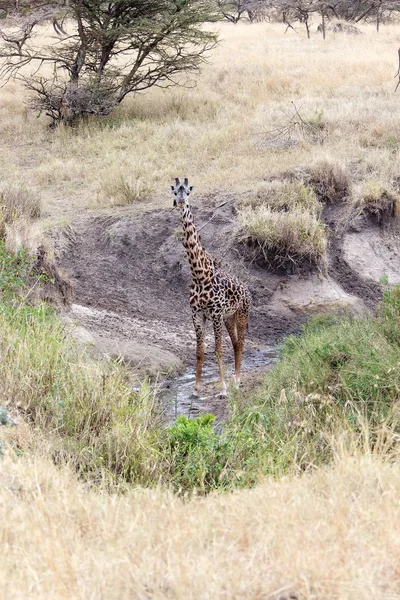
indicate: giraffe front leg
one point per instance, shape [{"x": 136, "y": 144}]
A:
[
  {"x": 219, "y": 353},
  {"x": 199, "y": 324}
]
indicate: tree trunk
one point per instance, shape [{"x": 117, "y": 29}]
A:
[
  {"x": 378, "y": 17},
  {"x": 307, "y": 27}
]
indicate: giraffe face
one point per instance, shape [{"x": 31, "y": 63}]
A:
[{"x": 181, "y": 192}]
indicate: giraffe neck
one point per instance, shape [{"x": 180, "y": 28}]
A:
[{"x": 200, "y": 262}]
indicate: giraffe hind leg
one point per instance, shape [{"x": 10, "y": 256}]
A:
[
  {"x": 199, "y": 326},
  {"x": 242, "y": 318},
  {"x": 219, "y": 354},
  {"x": 231, "y": 326}
]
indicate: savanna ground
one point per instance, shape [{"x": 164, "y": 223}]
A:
[{"x": 317, "y": 440}]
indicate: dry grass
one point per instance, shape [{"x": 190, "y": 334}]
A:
[
  {"x": 330, "y": 180},
  {"x": 372, "y": 191},
  {"x": 284, "y": 195},
  {"x": 18, "y": 205},
  {"x": 373, "y": 198},
  {"x": 211, "y": 132},
  {"x": 121, "y": 187},
  {"x": 332, "y": 534},
  {"x": 282, "y": 239}
]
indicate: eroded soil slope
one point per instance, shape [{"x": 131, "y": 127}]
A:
[{"x": 132, "y": 280}]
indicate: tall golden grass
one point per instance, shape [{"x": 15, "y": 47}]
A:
[
  {"x": 330, "y": 534},
  {"x": 212, "y": 132}
]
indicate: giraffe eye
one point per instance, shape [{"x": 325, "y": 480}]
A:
[{"x": 176, "y": 193}]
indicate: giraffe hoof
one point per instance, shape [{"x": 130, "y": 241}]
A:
[
  {"x": 195, "y": 394},
  {"x": 223, "y": 393}
]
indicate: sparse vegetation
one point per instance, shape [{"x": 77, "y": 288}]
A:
[{"x": 188, "y": 131}]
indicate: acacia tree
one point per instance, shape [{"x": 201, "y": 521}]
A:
[
  {"x": 231, "y": 10},
  {"x": 297, "y": 11},
  {"x": 105, "y": 51}
]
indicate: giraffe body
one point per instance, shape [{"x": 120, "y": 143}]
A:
[{"x": 215, "y": 296}]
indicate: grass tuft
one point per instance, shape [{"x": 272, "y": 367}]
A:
[
  {"x": 285, "y": 241},
  {"x": 331, "y": 181},
  {"x": 376, "y": 200},
  {"x": 284, "y": 196},
  {"x": 17, "y": 203},
  {"x": 122, "y": 188}
]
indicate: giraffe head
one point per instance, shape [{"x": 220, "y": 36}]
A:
[{"x": 181, "y": 192}]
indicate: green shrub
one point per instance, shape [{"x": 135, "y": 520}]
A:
[{"x": 194, "y": 449}]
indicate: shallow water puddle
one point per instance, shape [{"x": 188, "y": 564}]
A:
[{"x": 177, "y": 393}]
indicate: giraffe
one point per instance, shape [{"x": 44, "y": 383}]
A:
[{"x": 214, "y": 295}]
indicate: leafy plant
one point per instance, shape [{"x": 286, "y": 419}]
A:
[{"x": 197, "y": 453}]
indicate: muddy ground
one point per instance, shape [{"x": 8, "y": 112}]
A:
[{"x": 131, "y": 279}]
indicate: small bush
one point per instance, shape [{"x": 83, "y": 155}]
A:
[
  {"x": 282, "y": 240},
  {"x": 331, "y": 181},
  {"x": 195, "y": 449}
]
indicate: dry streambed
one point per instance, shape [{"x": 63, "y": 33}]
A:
[{"x": 131, "y": 280}]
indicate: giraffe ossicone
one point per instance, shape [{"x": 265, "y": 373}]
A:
[{"x": 215, "y": 296}]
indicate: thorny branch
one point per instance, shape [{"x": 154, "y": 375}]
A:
[{"x": 286, "y": 135}]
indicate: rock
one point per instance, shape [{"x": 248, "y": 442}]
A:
[
  {"x": 373, "y": 255},
  {"x": 357, "y": 224},
  {"x": 314, "y": 294}
]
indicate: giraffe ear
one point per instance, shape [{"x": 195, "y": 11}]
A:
[
  {"x": 172, "y": 187},
  {"x": 190, "y": 188}
]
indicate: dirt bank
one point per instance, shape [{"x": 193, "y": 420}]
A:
[{"x": 132, "y": 280}]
